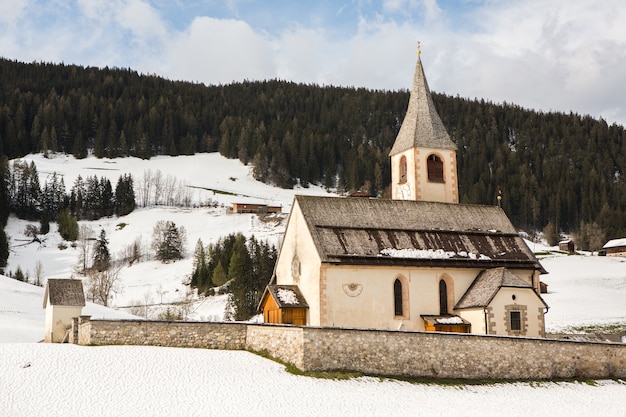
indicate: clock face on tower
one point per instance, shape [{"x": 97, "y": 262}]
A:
[{"x": 404, "y": 192}]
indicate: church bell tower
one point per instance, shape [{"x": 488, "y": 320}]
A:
[{"x": 423, "y": 157}]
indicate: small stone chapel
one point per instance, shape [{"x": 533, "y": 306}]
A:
[{"x": 417, "y": 262}]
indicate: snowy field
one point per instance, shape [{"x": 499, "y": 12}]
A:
[{"x": 65, "y": 380}]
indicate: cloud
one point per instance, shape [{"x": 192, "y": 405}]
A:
[
  {"x": 219, "y": 51},
  {"x": 558, "y": 55},
  {"x": 12, "y": 10}
]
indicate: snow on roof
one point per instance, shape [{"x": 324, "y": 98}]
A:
[
  {"x": 430, "y": 254},
  {"x": 615, "y": 243},
  {"x": 287, "y": 296}
]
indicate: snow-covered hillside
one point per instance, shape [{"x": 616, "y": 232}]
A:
[
  {"x": 214, "y": 179},
  {"x": 583, "y": 290},
  {"x": 67, "y": 380}
]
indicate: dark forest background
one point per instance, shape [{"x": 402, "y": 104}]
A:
[{"x": 555, "y": 171}]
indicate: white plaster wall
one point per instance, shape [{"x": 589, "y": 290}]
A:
[
  {"x": 477, "y": 318},
  {"x": 374, "y": 308},
  {"x": 524, "y": 297},
  {"x": 297, "y": 240},
  {"x": 57, "y": 319}
]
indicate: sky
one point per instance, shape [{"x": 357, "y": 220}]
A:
[{"x": 557, "y": 55}]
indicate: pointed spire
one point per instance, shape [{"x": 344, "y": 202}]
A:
[{"x": 422, "y": 126}]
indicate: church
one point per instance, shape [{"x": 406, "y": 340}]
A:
[{"x": 419, "y": 261}]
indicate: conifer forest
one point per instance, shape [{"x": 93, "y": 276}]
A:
[{"x": 555, "y": 171}]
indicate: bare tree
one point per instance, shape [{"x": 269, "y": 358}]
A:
[
  {"x": 133, "y": 252},
  {"x": 157, "y": 181},
  {"x": 38, "y": 279},
  {"x": 86, "y": 236},
  {"x": 144, "y": 188},
  {"x": 101, "y": 285}
]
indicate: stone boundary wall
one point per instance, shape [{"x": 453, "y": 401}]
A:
[
  {"x": 163, "y": 333},
  {"x": 459, "y": 356},
  {"x": 378, "y": 352}
]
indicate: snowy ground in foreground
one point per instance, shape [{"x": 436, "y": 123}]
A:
[{"x": 69, "y": 380}]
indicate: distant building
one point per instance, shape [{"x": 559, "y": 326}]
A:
[
  {"x": 615, "y": 247},
  {"x": 64, "y": 299},
  {"x": 567, "y": 246},
  {"x": 420, "y": 261},
  {"x": 255, "y": 208}
]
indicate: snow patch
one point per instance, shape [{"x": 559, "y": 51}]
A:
[{"x": 287, "y": 296}]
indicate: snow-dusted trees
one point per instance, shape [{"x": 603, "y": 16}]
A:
[
  {"x": 168, "y": 241},
  {"x": 24, "y": 190},
  {"x": 246, "y": 264}
]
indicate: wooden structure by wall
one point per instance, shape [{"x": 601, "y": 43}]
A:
[
  {"x": 449, "y": 324},
  {"x": 283, "y": 304}
]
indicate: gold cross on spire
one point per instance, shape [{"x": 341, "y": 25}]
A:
[{"x": 419, "y": 48}]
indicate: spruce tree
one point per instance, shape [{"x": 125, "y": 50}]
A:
[{"x": 101, "y": 255}]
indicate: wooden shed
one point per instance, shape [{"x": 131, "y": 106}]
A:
[
  {"x": 448, "y": 323},
  {"x": 283, "y": 304},
  {"x": 615, "y": 247},
  {"x": 567, "y": 246},
  {"x": 64, "y": 299},
  {"x": 255, "y": 208}
]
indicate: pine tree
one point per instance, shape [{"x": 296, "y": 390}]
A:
[
  {"x": 241, "y": 297},
  {"x": 168, "y": 241},
  {"x": 101, "y": 255},
  {"x": 124, "y": 195},
  {"x": 200, "y": 276}
]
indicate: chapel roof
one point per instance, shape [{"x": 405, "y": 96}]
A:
[
  {"x": 422, "y": 126},
  {"x": 486, "y": 286},
  {"x": 403, "y": 232},
  {"x": 64, "y": 292}
]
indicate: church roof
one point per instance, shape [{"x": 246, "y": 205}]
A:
[
  {"x": 401, "y": 232},
  {"x": 64, "y": 292},
  {"x": 486, "y": 286},
  {"x": 422, "y": 126}
]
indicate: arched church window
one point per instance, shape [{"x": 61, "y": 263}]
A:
[
  {"x": 435, "y": 168},
  {"x": 397, "y": 298},
  {"x": 403, "y": 170},
  {"x": 443, "y": 298}
]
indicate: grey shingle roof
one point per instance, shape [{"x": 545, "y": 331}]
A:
[
  {"x": 287, "y": 296},
  {"x": 486, "y": 286},
  {"x": 422, "y": 126},
  {"x": 362, "y": 230},
  {"x": 64, "y": 292}
]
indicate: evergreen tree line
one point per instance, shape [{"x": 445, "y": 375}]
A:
[
  {"x": 90, "y": 198},
  {"x": 241, "y": 264},
  {"x": 563, "y": 169}
]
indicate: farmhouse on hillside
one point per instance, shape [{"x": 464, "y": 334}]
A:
[
  {"x": 419, "y": 262},
  {"x": 63, "y": 300},
  {"x": 615, "y": 247}
]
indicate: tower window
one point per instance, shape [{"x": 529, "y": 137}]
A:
[
  {"x": 403, "y": 169},
  {"x": 435, "y": 168}
]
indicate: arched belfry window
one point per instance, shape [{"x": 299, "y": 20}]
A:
[
  {"x": 435, "y": 168},
  {"x": 397, "y": 298},
  {"x": 443, "y": 298},
  {"x": 403, "y": 170}
]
